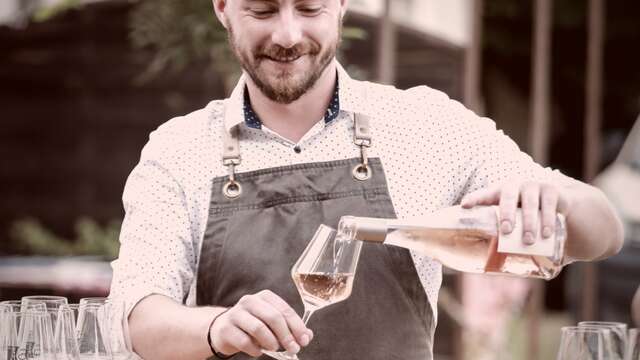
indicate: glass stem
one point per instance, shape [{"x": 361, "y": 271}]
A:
[{"x": 307, "y": 315}]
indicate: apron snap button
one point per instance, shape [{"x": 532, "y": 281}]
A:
[{"x": 297, "y": 149}]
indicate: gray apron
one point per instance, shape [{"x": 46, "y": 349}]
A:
[{"x": 259, "y": 224}]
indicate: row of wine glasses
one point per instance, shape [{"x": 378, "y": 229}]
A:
[
  {"x": 49, "y": 328},
  {"x": 599, "y": 340}
]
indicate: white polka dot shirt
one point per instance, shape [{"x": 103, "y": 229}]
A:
[{"x": 433, "y": 150}]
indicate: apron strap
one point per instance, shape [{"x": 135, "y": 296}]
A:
[
  {"x": 231, "y": 158},
  {"x": 231, "y": 154},
  {"x": 362, "y": 138}
]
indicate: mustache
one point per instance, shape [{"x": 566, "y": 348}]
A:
[{"x": 278, "y": 52}]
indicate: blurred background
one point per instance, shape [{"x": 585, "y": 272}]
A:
[{"x": 83, "y": 82}]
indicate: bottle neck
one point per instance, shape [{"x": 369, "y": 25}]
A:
[{"x": 364, "y": 228}]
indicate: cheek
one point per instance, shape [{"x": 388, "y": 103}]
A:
[
  {"x": 252, "y": 34},
  {"x": 323, "y": 32}
]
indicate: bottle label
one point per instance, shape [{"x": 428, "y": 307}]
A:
[{"x": 513, "y": 243}]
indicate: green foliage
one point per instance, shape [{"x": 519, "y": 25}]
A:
[
  {"x": 180, "y": 33},
  {"x": 183, "y": 32},
  {"x": 45, "y": 13},
  {"x": 91, "y": 239}
]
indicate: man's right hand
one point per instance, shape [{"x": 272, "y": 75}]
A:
[{"x": 257, "y": 322}]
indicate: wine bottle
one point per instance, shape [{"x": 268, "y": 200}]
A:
[{"x": 466, "y": 240}]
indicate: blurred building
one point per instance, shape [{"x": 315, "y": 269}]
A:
[{"x": 75, "y": 119}]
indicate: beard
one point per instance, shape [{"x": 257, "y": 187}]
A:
[{"x": 285, "y": 86}]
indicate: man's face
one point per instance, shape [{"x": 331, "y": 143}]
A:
[{"x": 284, "y": 45}]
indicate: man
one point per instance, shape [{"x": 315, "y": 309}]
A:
[{"x": 224, "y": 199}]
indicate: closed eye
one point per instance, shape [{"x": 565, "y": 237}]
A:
[{"x": 310, "y": 11}]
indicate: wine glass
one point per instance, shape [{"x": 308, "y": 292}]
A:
[
  {"x": 586, "y": 343},
  {"x": 93, "y": 300},
  {"x": 51, "y": 302},
  {"x": 9, "y": 324},
  {"x": 10, "y": 320},
  {"x": 64, "y": 334},
  {"x": 618, "y": 334},
  {"x": 323, "y": 274},
  {"x": 633, "y": 348},
  {"x": 35, "y": 335},
  {"x": 115, "y": 319},
  {"x": 91, "y": 332}
]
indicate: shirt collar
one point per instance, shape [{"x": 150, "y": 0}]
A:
[
  {"x": 350, "y": 97},
  {"x": 252, "y": 120}
]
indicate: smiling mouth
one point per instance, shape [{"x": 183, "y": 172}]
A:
[{"x": 284, "y": 60}]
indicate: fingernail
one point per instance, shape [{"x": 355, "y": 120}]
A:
[
  {"x": 293, "y": 347},
  {"x": 304, "y": 340},
  {"x": 310, "y": 333},
  {"x": 505, "y": 226},
  {"x": 528, "y": 238},
  {"x": 546, "y": 231}
]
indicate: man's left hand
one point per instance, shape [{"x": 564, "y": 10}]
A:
[{"x": 534, "y": 198}]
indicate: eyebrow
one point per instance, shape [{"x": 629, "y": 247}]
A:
[{"x": 277, "y": 2}]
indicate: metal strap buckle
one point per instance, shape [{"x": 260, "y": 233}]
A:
[{"x": 232, "y": 189}]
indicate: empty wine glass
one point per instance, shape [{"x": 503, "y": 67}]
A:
[
  {"x": 64, "y": 335},
  {"x": 585, "y": 343},
  {"x": 92, "y": 334},
  {"x": 9, "y": 324},
  {"x": 35, "y": 335},
  {"x": 117, "y": 327},
  {"x": 52, "y": 303},
  {"x": 618, "y": 334},
  {"x": 633, "y": 346},
  {"x": 93, "y": 300},
  {"x": 323, "y": 274},
  {"x": 74, "y": 309}
]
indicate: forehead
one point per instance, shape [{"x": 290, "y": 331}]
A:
[{"x": 279, "y": 2}]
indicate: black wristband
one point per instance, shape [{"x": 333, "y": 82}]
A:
[{"x": 216, "y": 355}]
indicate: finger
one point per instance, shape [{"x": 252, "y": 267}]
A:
[
  {"x": 530, "y": 198},
  {"x": 509, "y": 196},
  {"x": 256, "y": 329},
  {"x": 235, "y": 340},
  {"x": 488, "y": 196},
  {"x": 549, "y": 206},
  {"x": 276, "y": 321},
  {"x": 299, "y": 330}
]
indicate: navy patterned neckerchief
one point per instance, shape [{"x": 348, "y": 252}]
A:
[{"x": 252, "y": 120}]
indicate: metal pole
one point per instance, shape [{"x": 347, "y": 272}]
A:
[
  {"x": 473, "y": 61},
  {"x": 539, "y": 142},
  {"x": 473, "y": 101},
  {"x": 592, "y": 142},
  {"x": 540, "y": 89},
  {"x": 386, "y": 47}
]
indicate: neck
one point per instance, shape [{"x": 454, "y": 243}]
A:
[{"x": 292, "y": 121}]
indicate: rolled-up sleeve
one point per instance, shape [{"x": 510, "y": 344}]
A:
[{"x": 156, "y": 249}]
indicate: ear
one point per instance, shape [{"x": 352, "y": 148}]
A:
[{"x": 220, "y": 7}]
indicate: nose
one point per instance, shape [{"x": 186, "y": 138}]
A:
[{"x": 288, "y": 32}]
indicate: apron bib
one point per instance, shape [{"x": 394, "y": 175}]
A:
[{"x": 260, "y": 222}]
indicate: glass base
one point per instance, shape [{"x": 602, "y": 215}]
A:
[{"x": 280, "y": 355}]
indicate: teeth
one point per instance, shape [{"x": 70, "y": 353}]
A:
[{"x": 289, "y": 59}]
